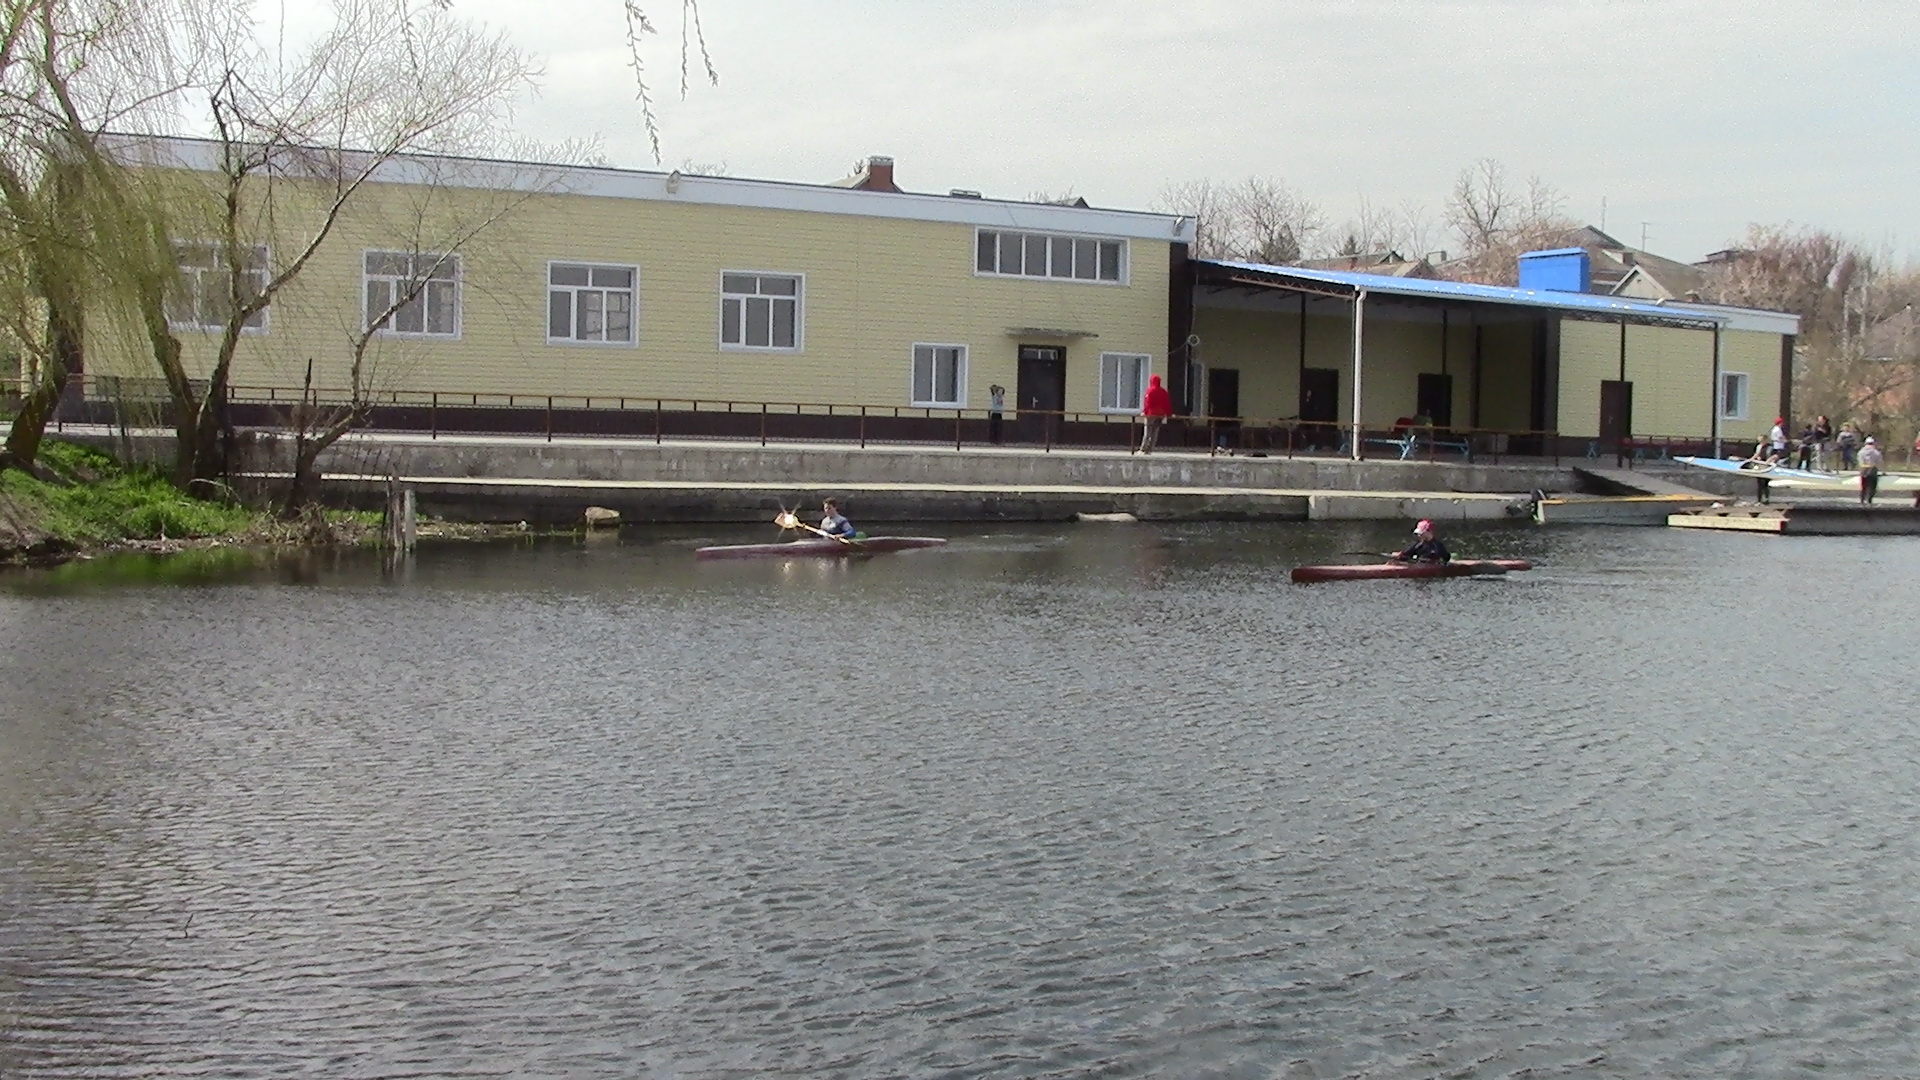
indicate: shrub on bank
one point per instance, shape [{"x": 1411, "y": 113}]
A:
[{"x": 91, "y": 499}]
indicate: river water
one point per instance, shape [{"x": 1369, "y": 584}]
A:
[{"x": 1060, "y": 801}]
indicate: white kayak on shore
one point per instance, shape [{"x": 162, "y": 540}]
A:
[{"x": 1800, "y": 478}]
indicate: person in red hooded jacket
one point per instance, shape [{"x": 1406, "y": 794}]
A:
[{"x": 1155, "y": 407}]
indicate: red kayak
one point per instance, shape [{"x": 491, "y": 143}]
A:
[
  {"x": 819, "y": 546},
  {"x": 1456, "y": 568}
]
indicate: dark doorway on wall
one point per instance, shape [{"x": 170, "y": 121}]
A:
[
  {"x": 1319, "y": 407},
  {"x": 1223, "y": 403},
  {"x": 1040, "y": 390},
  {"x": 1616, "y": 415},
  {"x": 1434, "y": 400}
]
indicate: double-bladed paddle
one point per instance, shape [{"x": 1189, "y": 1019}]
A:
[{"x": 786, "y": 520}]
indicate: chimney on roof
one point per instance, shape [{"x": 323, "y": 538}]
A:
[{"x": 877, "y": 175}]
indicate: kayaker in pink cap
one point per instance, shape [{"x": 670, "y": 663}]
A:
[{"x": 1426, "y": 547}]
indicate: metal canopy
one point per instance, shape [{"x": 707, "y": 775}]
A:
[{"x": 1346, "y": 285}]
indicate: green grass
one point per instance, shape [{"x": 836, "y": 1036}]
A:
[{"x": 94, "y": 500}]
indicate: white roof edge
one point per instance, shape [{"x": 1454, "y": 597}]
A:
[
  {"x": 1739, "y": 318},
  {"x": 612, "y": 183},
  {"x": 1706, "y": 315}
]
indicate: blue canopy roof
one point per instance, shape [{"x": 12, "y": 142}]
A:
[{"x": 1589, "y": 303}]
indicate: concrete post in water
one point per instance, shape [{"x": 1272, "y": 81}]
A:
[{"x": 400, "y": 521}]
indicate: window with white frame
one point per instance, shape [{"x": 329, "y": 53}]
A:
[
  {"x": 1043, "y": 255},
  {"x": 940, "y": 375},
  {"x": 760, "y": 311},
  {"x": 201, "y": 297},
  {"x": 1734, "y": 387},
  {"x": 588, "y": 303},
  {"x": 1123, "y": 381},
  {"x": 413, "y": 293}
]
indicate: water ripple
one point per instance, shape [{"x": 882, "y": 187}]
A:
[{"x": 1049, "y": 803}]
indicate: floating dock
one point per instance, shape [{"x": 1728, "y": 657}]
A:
[
  {"x": 1616, "y": 509},
  {"x": 1803, "y": 519},
  {"x": 1621, "y": 497}
]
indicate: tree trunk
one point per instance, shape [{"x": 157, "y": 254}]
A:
[
  {"x": 305, "y": 485},
  {"x": 64, "y": 355},
  {"x": 207, "y": 446},
  {"x": 30, "y": 425},
  {"x": 186, "y": 408}
]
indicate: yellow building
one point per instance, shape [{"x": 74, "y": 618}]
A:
[
  {"x": 505, "y": 295},
  {"x": 514, "y": 282}
]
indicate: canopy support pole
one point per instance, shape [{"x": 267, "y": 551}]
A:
[
  {"x": 1359, "y": 349},
  {"x": 1719, "y": 359}
]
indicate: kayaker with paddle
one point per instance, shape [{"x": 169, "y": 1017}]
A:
[
  {"x": 1426, "y": 547},
  {"x": 833, "y": 522}
]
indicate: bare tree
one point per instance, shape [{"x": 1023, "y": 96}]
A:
[
  {"x": 1066, "y": 196},
  {"x": 1497, "y": 222},
  {"x": 69, "y": 70},
  {"x": 1484, "y": 209},
  {"x": 297, "y": 144},
  {"x": 1205, "y": 202},
  {"x": 1405, "y": 229},
  {"x": 1858, "y": 354},
  {"x": 1259, "y": 219},
  {"x": 438, "y": 238},
  {"x": 1274, "y": 223}
]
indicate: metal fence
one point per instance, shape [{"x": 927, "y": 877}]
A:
[{"x": 124, "y": 401}]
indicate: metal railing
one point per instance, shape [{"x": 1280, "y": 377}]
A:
[{"x": 658, "y": 418}]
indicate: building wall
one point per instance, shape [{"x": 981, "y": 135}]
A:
[
  {"x": 1265, "y": 346},
  {"x": 1506, "y": 376},
  {"x": 1265, "y": 349},
  {"x": 1671, "y": 369},
  {"x": 1758, "y": 355},
  {"x": 873, "y": 287},
  {"x": 1398, "y": 353},
  {"x": 1589, "y": 355}
]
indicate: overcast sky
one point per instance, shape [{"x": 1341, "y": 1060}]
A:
[{"x": 1690, "y": 118}]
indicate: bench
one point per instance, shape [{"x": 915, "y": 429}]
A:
[{"x": 1413, "y": 443}]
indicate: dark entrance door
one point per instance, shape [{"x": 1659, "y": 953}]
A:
[
  {"x": 1616, "y": 414},
  {"x": 1223, "y": 405},
  {"x": 1434, "y": 400},
  {"x": 1040, "y": 392},
  {"x": 1319, "y": 406}
]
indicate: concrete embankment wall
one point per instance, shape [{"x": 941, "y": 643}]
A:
[
  {"x": 488, "y": 479},
  {"x": 710, "y": 462},
  {"x": 522, "y": 479}
]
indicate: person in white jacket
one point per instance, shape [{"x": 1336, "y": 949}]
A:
[{"x": 1870, "y": 462}]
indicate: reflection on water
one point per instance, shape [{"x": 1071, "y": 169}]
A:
[{"x": 1053, "y": 801}]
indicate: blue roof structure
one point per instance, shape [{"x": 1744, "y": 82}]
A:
[{"x": 1613, "y": 307}]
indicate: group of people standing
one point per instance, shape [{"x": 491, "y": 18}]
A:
[{"x": 1857, "y": 450}]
